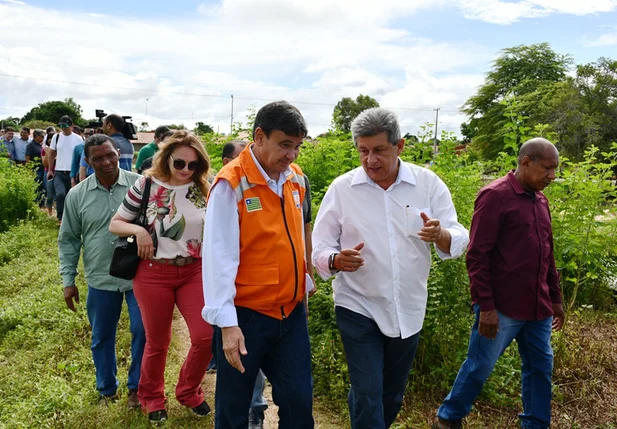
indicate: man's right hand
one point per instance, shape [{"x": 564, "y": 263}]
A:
[
  {"x": 70, "y": 293},
  {"x": 349, "y": 259},
  {"x": 50, "y": 175},
  {"x": 489, "y": 324},
  {"x": 233, "y": 346}
]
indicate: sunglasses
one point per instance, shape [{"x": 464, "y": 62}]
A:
[
  {"x": 63, "y": 125},
  {"x": 179, "y": 164}
]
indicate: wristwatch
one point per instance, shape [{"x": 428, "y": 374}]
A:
[{"x": 331, "y": 262}]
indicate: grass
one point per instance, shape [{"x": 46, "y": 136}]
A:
[{"x": 47, "y": 376}]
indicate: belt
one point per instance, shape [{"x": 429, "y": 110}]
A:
[{"x": 179, "y": 261}]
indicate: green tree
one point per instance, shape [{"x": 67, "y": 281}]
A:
[
  {"x": 347, "y": 109},
  {"x": 527, "y": 72},
  {"x": 583, "y": 110},
  {"x": 201, "y": 128},
  {"x": 11, "y": 121},
  {"x": 35, "y": 123},
  {"x": 52, "y": 111}
]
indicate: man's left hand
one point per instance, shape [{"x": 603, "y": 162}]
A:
[
  {"x": 431, "y": 231},
  {"x": 558, "y": 317}
]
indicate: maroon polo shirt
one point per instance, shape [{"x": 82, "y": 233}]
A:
[{"x": 510, "y": 258}]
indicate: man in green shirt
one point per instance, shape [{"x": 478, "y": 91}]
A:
[
  {"x": 89, "y": 207},
  {"x": 151, "y": 148}
]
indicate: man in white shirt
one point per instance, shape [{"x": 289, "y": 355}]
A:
[
  {"x": 61, "y": 152},
  {"x": 374, "y": 231}
]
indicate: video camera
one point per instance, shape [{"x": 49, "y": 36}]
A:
[{"x": 128, "y": 130}]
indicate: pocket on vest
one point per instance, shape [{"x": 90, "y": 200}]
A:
[{"x": 257, "y": 287}]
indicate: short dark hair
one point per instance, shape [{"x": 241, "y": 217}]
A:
[
  {"x": 26, "y": 129},
  {"x": 166, "y": 134},
  {"x": 230, "y": 147},
  {"x": 281, "y": 116},
  {"x": 38, "y": 133},
  {"x": 160, "y": 131},
  {"x": 116, "y": 121},
  {"x": 97, "y": 140},
  {"x": 7, "y": 129},
  {"x": 76, "y": 129}
]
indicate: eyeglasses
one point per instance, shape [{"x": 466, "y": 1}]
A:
[{"x": 179, "y": 164}]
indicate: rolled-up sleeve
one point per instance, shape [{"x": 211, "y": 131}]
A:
[
  {"x": 443, "y": 209},
  {"x": 326, "y": 233},
  {"x": 221, "y": 256}
]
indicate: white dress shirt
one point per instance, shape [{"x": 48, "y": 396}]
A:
[
  {"x": 221, "y": 249},
  {"x": 391, "y": 286}
]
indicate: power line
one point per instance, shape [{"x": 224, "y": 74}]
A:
[{"x": 155, "y": 91}]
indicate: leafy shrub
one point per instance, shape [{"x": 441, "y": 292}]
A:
[{"x": 17, "y": 194}]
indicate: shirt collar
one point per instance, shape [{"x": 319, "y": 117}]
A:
[
  {"x": 122, "y": 181},
  {"x": 405, "y": 174},
  {"x": 267, "y": 178},
  {"x": 516, "y": 185}
]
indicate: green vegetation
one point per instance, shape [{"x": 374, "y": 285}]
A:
[{"x": 17, "y": 194}]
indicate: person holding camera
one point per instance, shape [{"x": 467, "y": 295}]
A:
[
  {"x": 169, "y": 273},
  {"x": 113, "y": 124}
]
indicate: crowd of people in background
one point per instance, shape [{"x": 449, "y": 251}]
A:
[{"x": 241, "y": 272}]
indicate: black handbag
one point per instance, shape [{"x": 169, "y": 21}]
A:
[{"x": 124, "y": 260}]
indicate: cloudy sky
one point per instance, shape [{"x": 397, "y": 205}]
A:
[{"x": 180, "y": 61}]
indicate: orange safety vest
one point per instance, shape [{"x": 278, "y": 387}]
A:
[{"x": 271, "y": 273}]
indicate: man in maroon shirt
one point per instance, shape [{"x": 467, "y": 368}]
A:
[{"x": 514, "y": 288}]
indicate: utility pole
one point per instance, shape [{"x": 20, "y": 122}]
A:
[
  {"x": 231, "y": 122},
  {"x": 146, "y": 107},
  {"x": 436, "y": 125}
]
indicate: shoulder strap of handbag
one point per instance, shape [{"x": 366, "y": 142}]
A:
[{"x": 142, "y": 218}]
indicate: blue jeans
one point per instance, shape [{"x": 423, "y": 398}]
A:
[
  {"x": 281, "y": 349},
  {"x": 534, "y": 345},
  {"x": 259, "y": 402},
  {"x": 378, "y": 369},
  {"x": 104, "y": 308},
  {"x": 51, "y": 192},
  {"x": 62, "y": 185}
]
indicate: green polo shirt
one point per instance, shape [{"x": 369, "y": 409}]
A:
[
  {"x": 88, "y": 209},
  {"x": 146, "y": 152}
]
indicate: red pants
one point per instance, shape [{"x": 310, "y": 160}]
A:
[{"x": 157, "y": 288}]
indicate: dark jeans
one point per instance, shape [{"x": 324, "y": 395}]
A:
[
  {"x": 104, "y": 308},
  {"x": 281, "y": 349},
  {"x": 62, "y": 185},
  {"x": 42, "y": 188},
  {"x": 378, "y": 369},
  {"x": 533, "y": 338}
]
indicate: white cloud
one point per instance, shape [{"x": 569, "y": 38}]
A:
[
  {"x": 310, "y": 53},
  {"x": 607, "y": 39},
  {"x": 507, "y": 12}
]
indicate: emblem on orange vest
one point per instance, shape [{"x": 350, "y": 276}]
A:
[
  {"x": 296, "y": 195},
  {"x": 252, "y": 204}
]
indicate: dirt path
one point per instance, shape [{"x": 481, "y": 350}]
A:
[{"x": 323, "y": 418}]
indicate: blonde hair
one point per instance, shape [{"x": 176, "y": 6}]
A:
[{"x": 160, "y": 163}]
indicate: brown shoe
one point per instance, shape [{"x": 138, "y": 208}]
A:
[
  {"x": 105, "y": 400},
  {"x": 133, "y": 401},
  {"x": 445, "y": 424}
]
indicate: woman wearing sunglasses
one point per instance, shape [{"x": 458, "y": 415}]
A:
[{"x": 170, "y": 273}]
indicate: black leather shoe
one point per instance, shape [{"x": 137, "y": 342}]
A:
[
  {"x": 256, "y": 419},
  {"x": 202, "y": 410},
  {"x": 157, "y": 417}
]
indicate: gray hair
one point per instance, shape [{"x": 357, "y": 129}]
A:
[
  {"x": 38, "y": 133},
  {"x": 376, "y": 121}
]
